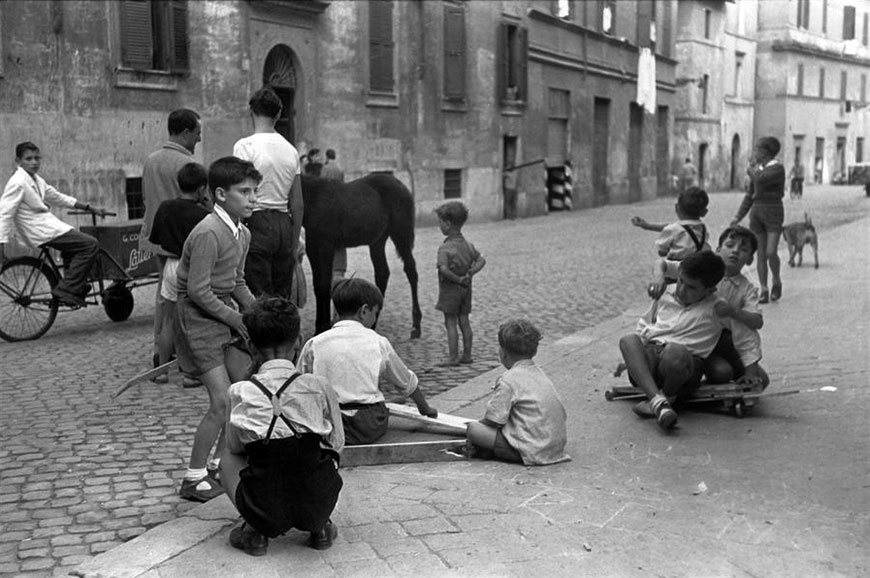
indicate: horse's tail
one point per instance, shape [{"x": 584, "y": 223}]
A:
[{"x": 399, "y": 204}]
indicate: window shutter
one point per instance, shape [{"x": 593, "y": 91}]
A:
[
  {"x": 848, "y": 22},
  {"x": 501, "y": 62},
  {"x": 381, "y": 46},
  {"x": 454, "y": 52},
  {"x": 137, "y": 49},
  {"x": 523, "y": 64},
  {"x": 179, "y": 36}
]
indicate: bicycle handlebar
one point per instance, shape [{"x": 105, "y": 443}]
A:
[{"x": 90, "y": 213}]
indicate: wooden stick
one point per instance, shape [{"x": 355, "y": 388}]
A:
[
  {"x": 145, "y": 376},
  {"x": 402, "y": 453}
]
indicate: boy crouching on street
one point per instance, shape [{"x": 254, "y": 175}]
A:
[
  {"x": 665, "y": 356},
  {"x": 284, "y": 435},
  {"x": 525, "y": 422}
]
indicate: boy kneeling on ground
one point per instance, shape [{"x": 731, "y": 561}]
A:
[{"x": 284, "y": 435}]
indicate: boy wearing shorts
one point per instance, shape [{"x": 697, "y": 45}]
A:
[
  {"x": 354, "y": 358},
  {"x": 173, "y": 222},
  {"x": 284, "y": 436},
  {"x": 211, "y": 282},
  {"x": 525, "y": 422},
  {"x": 665, "y": 355},
  {"x": 458, "y": 262}
]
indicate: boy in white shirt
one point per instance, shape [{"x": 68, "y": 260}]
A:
[
  {"x": 25, "y": 215},
  {"x": 353, "y": 358}
]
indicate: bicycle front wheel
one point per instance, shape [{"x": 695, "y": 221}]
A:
[{"x": 27, "y": 309}]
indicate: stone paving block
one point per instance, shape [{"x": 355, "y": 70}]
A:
[
  {"x": 398, "y": 547},
  {"x": 77, "y": 550},
  {"x": 364, "y": 569},
  {"x": 58, "y": 521},
  {"x": 37, "y": 564},
  {"x": 100, "y": 547},
  {"x": 348, "y": 551},
  {"x": 35, "y": 549},
  {"x": 429, "y": 526}
]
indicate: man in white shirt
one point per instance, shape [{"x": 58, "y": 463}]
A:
[
  {"x": 25, "y": 215},
  {"x": 274, "y": 231}
]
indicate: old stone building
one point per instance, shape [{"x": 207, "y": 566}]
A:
[
  {"x": 714, "y": 120},
  {"x": 813, "y": 64},
  {"x": 445, "y": 94}
]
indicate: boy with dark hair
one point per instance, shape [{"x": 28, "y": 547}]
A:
[
  {"x": 210, "y": 279},
  {"x": 738, "y": 307},
  {"x": 274, "y": 230},
  {"x": 26, "y": 216},
  {"x": 458, "y": 261},
  {"x": 354, "y": 358},
  {"x": 525, "y": 421},
  {"x": 687, "y": 235},
  {"x": 763, "y": 203},
  {"x": 173, "y": 222},
  {"x": 665, "y": 356},
  {"x": 284, "y": 436}
]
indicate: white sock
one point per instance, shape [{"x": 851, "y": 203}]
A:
[
  {"x": 214, "y": 463},
  {"x": 195, "y": 473}
]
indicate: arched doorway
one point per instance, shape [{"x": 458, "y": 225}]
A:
[
  {"x": 736, "y": 181},
  {"x": 279, "y": 74}
]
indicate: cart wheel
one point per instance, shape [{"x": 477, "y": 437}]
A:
[
  {"x": 27, "y": 308},
  {"x": 118, "y": 302},
  {"x": 739, "y": 409}
]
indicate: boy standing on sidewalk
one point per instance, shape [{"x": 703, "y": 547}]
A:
[
  {"x": 665, "y": 356},
  {"x": 458, "y": 262},
  {"x": 353, "y": 358},
  {"x": 210, "y": 278}
]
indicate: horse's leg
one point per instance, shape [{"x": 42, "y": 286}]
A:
[
  {"x": 320, "y": 258},
  {"x": 411, "y": 274},
  {"x": 378, "y": 254}
]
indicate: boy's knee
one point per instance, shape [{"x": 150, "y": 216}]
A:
[
  {"x": 718, "y": 370},
  {"x": 627, "y": 341},
  {"x": 480, "y": 434}
]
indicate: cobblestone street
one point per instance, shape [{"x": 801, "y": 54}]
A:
[{"x": 82, "y": 472}]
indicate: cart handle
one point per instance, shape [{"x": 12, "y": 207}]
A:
[{"x": 92, "y": 214}]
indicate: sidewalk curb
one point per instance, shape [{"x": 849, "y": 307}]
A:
[{"x": 145, "y": 553}]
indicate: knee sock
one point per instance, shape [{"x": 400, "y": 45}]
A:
[{"x": 195, "y": 473}]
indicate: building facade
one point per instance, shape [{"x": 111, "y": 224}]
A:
[
  {"x": 445, "y": 94},
  {"x": 716, "y": 55},
  {"x": 813, "y": 64}
]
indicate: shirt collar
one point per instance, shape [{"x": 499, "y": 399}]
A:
[
  {"x": 276, "y": 364},
  {"x": 225, "y": 217},
  {"x": 348, "y": 323},
  {"x": 177, "y": 147},
  {"x": 771, "y": 162}
]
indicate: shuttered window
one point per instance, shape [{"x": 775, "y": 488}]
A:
[
  {"x": 454, "y": 52},
  {"x": 381, "y": 46},
  {"x": 154, "y": 35},
  {"x": 513, "y": 55},
  {"x": 848, "y": 22}
]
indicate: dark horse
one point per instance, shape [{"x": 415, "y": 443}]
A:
[{"x": 366, "y": 211}]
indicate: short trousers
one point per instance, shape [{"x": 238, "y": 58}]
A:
[
  {"x": 368, "y": 423},
  {"x": 199, "y": 338},
  {"x": 453, "y": 299},
  {"x": 169, "y": 285},
  {"x": 289, "y": 483},
  {"x": 689, "y": 372},
  {"x": 766, "y": 219}
]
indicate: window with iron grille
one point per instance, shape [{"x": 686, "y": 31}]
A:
[
  {"x": 381, "y": 46},
  {"x": 452, "y": 183},
  {"x": 154, "y": 35},
  {"x": 133, "y": 193},
  {"x": 454, "y": 52}
]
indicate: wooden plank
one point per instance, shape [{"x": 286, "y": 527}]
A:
[
  {"x": 402, "y": 453},
  {"x": 408, "y": 418}
]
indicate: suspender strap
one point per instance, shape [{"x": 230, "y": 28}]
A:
[
  {"x": 699, "y": 243},
  {"x": 276, "y": 407}
]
